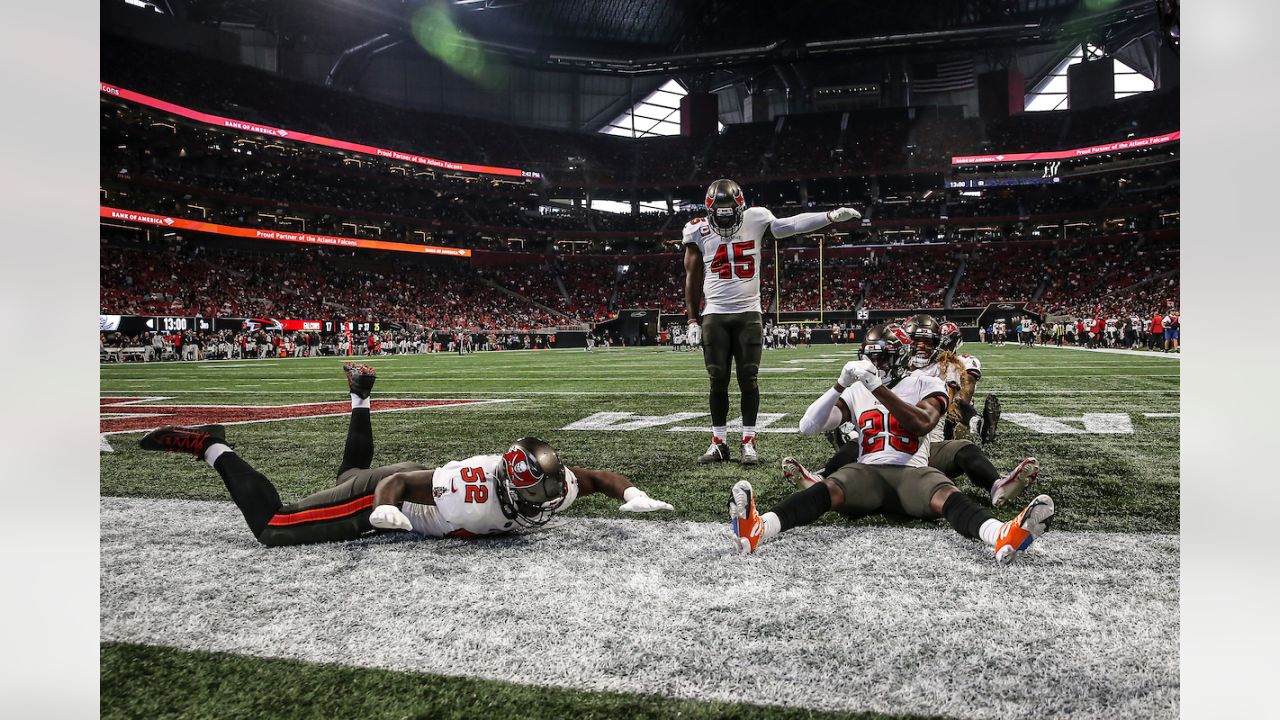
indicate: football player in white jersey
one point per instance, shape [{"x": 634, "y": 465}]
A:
[
  {"x": 933, "y": 354},
  {"x": 894, "y": 411},
  {"x": 722, "y": 266},
  {"x": 481, "y": 495}
]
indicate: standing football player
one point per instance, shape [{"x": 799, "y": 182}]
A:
[
  {"x": 481, "y": 495},
  {"x": 894, "y": 411},
  {"x": 722, "y": 267}
]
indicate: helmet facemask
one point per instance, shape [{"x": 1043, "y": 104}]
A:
[
  {"x": 889, "y": 350},
  {"x": 532, "y": 482},
  {"x": 950, "y": 340},
  {"x": 725, "y": 207}
]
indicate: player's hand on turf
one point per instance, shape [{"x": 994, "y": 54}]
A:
[
  {"x": 641, "y": 502},
  {"x": 389, "y": 517},
  {"x": 844, "y": 214}
]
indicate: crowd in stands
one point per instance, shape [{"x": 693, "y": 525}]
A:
[
  {"x": 188, "y": 278},
  {"x": 1108, "y": 237}
]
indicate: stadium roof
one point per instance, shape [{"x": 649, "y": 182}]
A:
[{"x": 665, "y": 36}]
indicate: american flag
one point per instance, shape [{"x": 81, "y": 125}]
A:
[{"x": 945, "y": 76}]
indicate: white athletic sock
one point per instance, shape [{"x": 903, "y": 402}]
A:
[
  {"x": 989, "y": 531},
  {"x": 214, "y": 452},
  {"x": 719, "y": 433},
  {"x": 772, "y": 525},
  {"x": 358, "y": 402},
  {"x": 748, "y": 432}
]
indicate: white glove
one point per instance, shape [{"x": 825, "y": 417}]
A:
[
  {"x": 844, "y": 214},
  {"x": 863, "y": 371},
  {"x": 854, "y": 370},
  {"x": 389, "y": 517},
  {"x": 849, "y": 373},
  {"x": 694, "y": 333},
  {"x": 638, "y": 501}
]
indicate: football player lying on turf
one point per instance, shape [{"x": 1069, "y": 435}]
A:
[
  {"x": 894, "y": 412},
  {"x": 933, "y": 353},
  {"x": 481, "y": 495}
]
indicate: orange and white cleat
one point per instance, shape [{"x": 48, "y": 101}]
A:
[
  {"x": 748, "y": 529},
  {"x": 1009, "y": 487},
  {"x": 798, "y": 475},
  {"x": 1018, "y": 534}
]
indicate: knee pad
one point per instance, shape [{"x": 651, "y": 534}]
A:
[
  {"x": 748, "y": 377},
  {"x": 719, "y": 376}
]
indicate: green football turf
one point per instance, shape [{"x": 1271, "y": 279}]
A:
[
  {"x": 1111, "y": 482},
  {"x": 151, "y": 682}
]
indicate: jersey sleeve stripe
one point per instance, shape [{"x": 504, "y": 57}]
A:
[{"x": 940, "y": 395}]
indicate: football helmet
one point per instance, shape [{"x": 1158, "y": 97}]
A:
[
  {"x": 888, "y": 347},
  {"x": 725, "y": 206},
  {"x": 532, "y": 482},
  {"x": 925, "y": 337},
  {"x": 950, "y": 339}
]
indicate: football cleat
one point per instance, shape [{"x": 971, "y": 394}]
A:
[
  {"x": 990, "y": 418},
  {"x": 359, "y": 378},
  {"x": 1009, "y": 487},
  {"x": 1018, "y": 534},
  {"x": 718, "y": 452},
  {"x": 190, "y": 440},
  {"x": 749, "y": 454},
  {"x": 798, "y": 475},
  {"x": 748, "y": 529}
]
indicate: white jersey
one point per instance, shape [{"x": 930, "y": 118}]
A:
[
  {"x": 731, "y": 266},
  {"x": 881, "y": 440},
  {"x": 466, "y": 500}
]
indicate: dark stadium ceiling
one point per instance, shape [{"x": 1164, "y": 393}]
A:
[{"x": 639, "y": 37}]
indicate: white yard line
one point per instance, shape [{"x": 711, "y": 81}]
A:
[
  {"x": 1115, "y": 351},
  {"x": 833, "y": 618}
]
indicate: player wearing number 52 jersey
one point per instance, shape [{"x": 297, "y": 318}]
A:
[
  {"x": 482, "y": 495},
  {"x": 894, "y": 412},
  {"x": 722, "y": 266}
]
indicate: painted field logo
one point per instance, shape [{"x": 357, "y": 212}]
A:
[{"x": 128, "y": 414}]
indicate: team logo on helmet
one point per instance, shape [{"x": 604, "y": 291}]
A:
[
  {"x": 520, "y": 469},
  {"x": 898, "y": 332}
]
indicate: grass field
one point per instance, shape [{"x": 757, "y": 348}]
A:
[{"x": 645, "y": 616}]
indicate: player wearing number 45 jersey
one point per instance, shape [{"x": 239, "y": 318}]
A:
[
  {"x": 722, "y": 267},
  {"x": 894, "y": 412},
  {"x": 481, "y": 495}
]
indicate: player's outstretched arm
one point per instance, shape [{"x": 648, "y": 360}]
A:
[
  {"x": 617, "y": 487},
  {"x": 809, "y": 222},
  {"x": 411, "y": 486}
]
